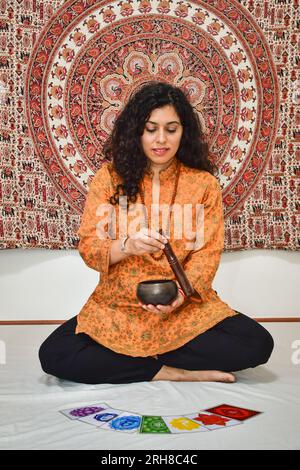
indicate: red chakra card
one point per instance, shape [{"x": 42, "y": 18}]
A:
[
  {"x": 233, "y": 412},
  {"x": 212, "y": 421}
]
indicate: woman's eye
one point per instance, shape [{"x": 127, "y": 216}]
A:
[{"x": 169, "y": 130}]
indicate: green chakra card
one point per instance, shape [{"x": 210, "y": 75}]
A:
[{"x": 154, "y": 424}]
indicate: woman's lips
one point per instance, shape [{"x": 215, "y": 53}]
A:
[{"x": 161, "y": 151}]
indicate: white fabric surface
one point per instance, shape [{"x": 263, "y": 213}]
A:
[{"x": 30, "y": 402}]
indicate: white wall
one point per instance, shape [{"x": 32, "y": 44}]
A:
[{"x": 45, "y": 284}]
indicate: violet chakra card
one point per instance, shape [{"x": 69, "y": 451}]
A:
[
  {"x": 83, "y": 411},
  {"x": 126, "y": 422},
  {"x": 182, "y": 424},
  {"x": 212, "y": 421},
  {"x": 102, "y": 417}
]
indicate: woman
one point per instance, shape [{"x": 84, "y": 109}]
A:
[{"x": 158, "y": 156}]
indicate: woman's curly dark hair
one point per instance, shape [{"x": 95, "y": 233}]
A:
[{"x": 123, "y": 147}]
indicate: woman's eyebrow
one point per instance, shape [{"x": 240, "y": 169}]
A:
[{"x": 172, "y": 122}]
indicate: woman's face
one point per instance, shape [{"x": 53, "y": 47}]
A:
[{"x": 161, "y": 137}]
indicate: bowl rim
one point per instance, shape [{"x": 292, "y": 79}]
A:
[{"x": 156, "y": 281}]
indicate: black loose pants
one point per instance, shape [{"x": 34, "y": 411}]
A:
[{"x": 234, "y": 344}]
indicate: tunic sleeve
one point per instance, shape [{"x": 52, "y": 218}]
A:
[
  {"x": 201, "y": 264},
  {"x": 94, "y": 240}
]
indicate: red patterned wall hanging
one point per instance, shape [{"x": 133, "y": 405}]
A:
[{"x": 63, "y": 84}]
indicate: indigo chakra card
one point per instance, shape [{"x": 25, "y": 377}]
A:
[{"x": 102, "y": 417}]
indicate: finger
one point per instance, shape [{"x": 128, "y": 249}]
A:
[
  {"x": 147, "y": 247},
  {"x": 154, "y": 245},
  {"x": 165, "y": 309},
  {"x": 155, "y": 239},
  {"x": 146, "y": 308},
  {"x": 151, "y": 237},
  {"x": 145, "y": 233},
  {"x": 149, "y": 307},
  {"x": 152, "y": 308},
  {"x": 155, "y": 242},
  {"x": 160, "y": 309},
  {"x": 157, "y": 236},
  {"x": 179, "y": 300}
]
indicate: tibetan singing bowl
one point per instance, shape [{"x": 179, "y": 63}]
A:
[{"x": 157, "y": 292}]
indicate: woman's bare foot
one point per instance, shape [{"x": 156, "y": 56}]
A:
[
  {"x": 207, "y": 376},
  {"x": 182, "y": 375}
]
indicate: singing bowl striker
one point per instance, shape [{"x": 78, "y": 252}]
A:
[{"x": 157, "y": 291}]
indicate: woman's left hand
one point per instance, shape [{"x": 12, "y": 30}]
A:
[{"x": 163, "y": 310}]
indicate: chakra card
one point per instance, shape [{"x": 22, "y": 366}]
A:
[
  {"x": 102, "y": 417},
  {"x": 182, "y": 424},
  {"x": 212, "y": 421},
  {"x": 126, "y": 422},
  {"x": 83, "y": 411},
  {"x": 234, "y": 412},
  {"x": 154, "y": 424}
]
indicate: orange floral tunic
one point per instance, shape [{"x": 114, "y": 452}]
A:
[{"x": 111, "y": 315}]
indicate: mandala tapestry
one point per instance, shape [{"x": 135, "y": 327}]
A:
[{"x": 67, "y": 68}]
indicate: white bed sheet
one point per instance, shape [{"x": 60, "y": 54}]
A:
[{"x": 30, "y": 402}]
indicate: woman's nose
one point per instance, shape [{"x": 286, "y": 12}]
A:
[{"x": 161, "y": 137}]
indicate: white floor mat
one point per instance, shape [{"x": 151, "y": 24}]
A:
[{"x": 30, "y": 401}]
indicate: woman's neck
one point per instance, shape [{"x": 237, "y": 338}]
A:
[{"x": 157, "y": 168}]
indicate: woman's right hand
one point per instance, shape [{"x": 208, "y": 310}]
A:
[{"x": 145, "y": 241}]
